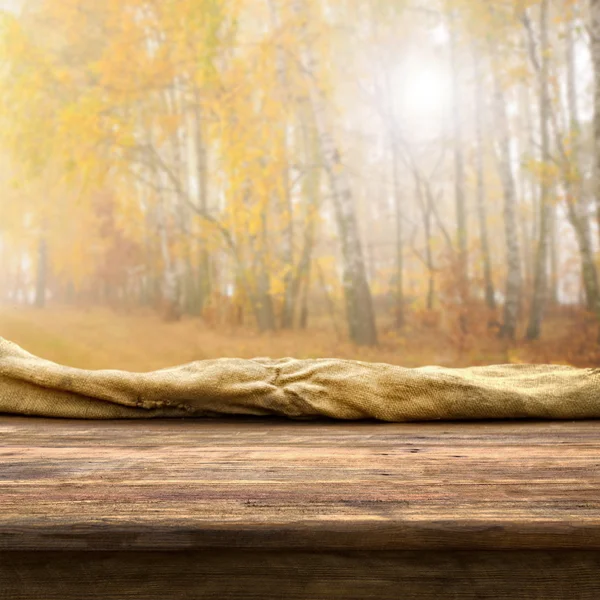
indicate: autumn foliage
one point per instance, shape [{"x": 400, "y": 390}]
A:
[{"x": 391, "y": 174}]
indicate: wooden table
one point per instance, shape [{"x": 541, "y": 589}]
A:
[{"x": 265, "y": 509}]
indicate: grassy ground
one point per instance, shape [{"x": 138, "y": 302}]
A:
[{"x": 98, "y": 338}]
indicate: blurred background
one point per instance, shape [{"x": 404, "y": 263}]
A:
[{"x": 408, "y": 181}]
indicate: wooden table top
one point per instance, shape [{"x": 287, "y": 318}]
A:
[{"x": 177, "y": 484}]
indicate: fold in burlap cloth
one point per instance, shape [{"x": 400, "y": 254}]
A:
[{"x": 340, "y": 389}]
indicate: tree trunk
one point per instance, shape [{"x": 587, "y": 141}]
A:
[
  {"x": 359, "y": 304},
  {"x": 399, "y": 291},
  {"x": 302, "y": 273},
  {"x": 311, "y": 193},
  {"x": 595, "y": 51},
  {"x": 540, "y": 280},
  {"x": 263, "y": 300},
  {"x": 426, "y": 211},
  {"x": 263, "y": 303},
  {"x": 459, "y": 177},
  {"x": 290, "y": 291},
  {"x": 303, "y": 320},
  {"x": 41, "y": 279},
  {"x": 285, "y": 212},
  {"x": 577, "y": 211},
  {"x": 328, "y": 299},
  {"x": 529, "y": 184},
  {"x": 204, "y": 265},
  {"x": 390, "y": 124},
  {"x": 553, "y": 296},
  {"x": 170, "y": 289},
  {"x": 490, "y": 294},
  {"x": 512, "y": 301},
  {"x": 171, "y": 309}
]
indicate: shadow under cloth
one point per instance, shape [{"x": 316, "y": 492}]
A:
[{"x": 298, "y": 389}]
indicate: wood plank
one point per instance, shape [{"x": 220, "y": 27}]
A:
[
  {"x": 301, "y": 575},
  {"x": 271, "y": 484}
]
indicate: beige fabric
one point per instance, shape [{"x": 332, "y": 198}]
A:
[{"x": 340, "y": 389}]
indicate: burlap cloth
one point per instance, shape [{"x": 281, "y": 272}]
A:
[{"x": 300, "y": 389}]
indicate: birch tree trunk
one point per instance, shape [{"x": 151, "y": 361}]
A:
[
  {"x": 399, "y": 313},
  {"x": 390, "y": 123},
  {"x": 512, "y": 299},
  {"x": 426, "y": 200},
  {"x": 285, "y": 209},
  {"x": 170, "y": 282},
  {"x": 359, "y": 304},
  {"x": 290, "y": 293},
  {"x": 312, "y": 200},
  {"x": 201, "y": 154},
  {"x": 540, "y": 278},
  {"x": 553, "y": 296},
  {"x": 490, "y": 295},
  {"x": 188, "y": 286},
  {"x": 530, "y": 109},
  {"x": 577, "y": 210},
  {"x": 595, "y": 52},
  {"x": 264, "y": 301},
  {"x": 526, "y": 189},
  {"x": 459, "y": 176}
]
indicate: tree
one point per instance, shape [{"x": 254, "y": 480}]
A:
[
  {"x": 359, "y": 304},
  {"x": 595, "y": 52},
  {"x": 541, "y": 63},
  {"x": 512, "y": 298},
  {"x": 490, "y": 294}
]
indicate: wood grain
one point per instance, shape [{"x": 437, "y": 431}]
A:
[
  {"x": 301, "y": 575},
  {"x": 271, "y": 484}
]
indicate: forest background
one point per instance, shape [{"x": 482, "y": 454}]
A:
[{"x": 409, "y": 181}]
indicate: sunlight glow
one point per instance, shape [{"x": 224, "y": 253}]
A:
[
  {"x": 424, "y": 93},
  {"x": 440, "y": 35}
]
